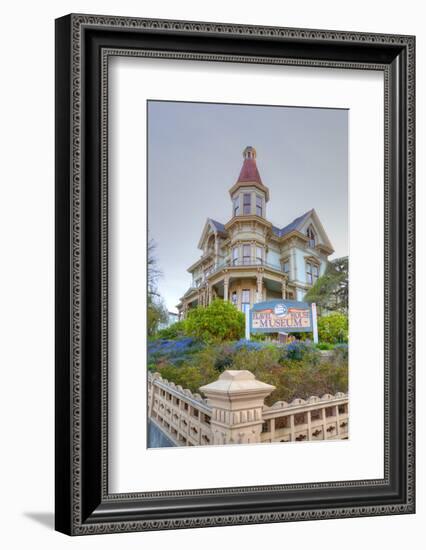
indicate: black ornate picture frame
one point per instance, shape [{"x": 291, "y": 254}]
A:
[{"x": 84, "y": 44}]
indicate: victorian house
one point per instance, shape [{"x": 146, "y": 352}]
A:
[{"x": 248, "y": 259}]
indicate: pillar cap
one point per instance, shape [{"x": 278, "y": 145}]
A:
[{"x": 235, "y": 382}]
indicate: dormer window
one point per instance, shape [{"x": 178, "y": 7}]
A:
[
  {"x": 236, "y": 206},
  {"x": 247, "y": 203},
  {"x": 310, "y": 233}
]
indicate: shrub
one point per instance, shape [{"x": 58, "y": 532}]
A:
[
  {"x": 324, "y": 346},
  {"x": 224, "y": 359},
  {"x": 333, "y": 328},
  {"x": 218, "y": 322},
  {"x": 341, "y": 353},
  {"x": 260, "y": 337},
  {"x": 298, "y": 351},
  {"x": 195, "y": 371},
  {"x": 261, "y": 362},
  {"x": 176, "y": 330}
]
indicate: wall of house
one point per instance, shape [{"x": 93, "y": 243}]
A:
[
  {"x": 299, "y": 257},
  {"x": 273, "y": 257}
]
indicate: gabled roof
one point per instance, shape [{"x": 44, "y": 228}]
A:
[
  {"x": 214, "y": 226},
  {"x": 219, "y": 226},
  {"x": 298, "y": 223},
  {"x": 293, "y": 226}
]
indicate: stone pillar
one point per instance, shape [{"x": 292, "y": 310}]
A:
[
  {"x": 209, "y": 295},
  {"x": 292, "y": 434},
  {"x": 337, "y": 421},
  {"x": 272, "y": 429},
  {"x": 226, "y": 288},
  {"x": 236, "y": 399},
  {"x": 308, "y": 421},
  {"x": 324, "y": 423}
]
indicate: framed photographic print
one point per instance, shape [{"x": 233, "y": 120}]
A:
[{"x": 234, "y": 274}]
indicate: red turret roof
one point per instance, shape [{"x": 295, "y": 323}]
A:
[{"x": 249, "y": 172}]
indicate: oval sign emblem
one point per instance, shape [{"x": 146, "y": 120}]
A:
[{"x": 280, "y": 310}]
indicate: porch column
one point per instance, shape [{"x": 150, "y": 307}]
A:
[
  {"x": 225, "y": 288},
  {"x": 209, "y": 295},
  {"x": 284, "y": 288},
  {"x": 259, "y": 287},
  {"x": 216, "y": 249}
]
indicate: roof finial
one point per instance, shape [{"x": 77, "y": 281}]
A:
[{"x": 249, "y": 152}]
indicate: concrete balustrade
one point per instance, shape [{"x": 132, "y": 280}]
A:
[{"x": 234, "y": 412}]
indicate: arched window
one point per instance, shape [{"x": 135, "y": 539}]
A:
[{"x": 310, "y": 233}]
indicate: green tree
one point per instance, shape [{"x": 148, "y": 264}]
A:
[
  {"x": 333, "y": 328},
  {"x": 218, "y": 322},
  {"x": 156, "y": 313},
  {"x": 331, "y": 291},
  {"x": 156, "y": 310}
]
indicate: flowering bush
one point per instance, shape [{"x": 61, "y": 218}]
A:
[
  {"x": 173, "y": 350},
  {"x": 295, "y": 369},
  {"x": 299, "y": 350},
  {"x": 248, "y": 345}
]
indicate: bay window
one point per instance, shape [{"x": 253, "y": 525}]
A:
[
  {"x": 247, "y": 203},
  {"x": 259, "y": 206},
  {"x": 246, "y": 254},
  {"x": 235, "y": 255}
]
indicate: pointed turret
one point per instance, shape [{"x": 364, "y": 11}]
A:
[
  {"x": 249, "y": 171},
  {"x": 249, "y": 195}
]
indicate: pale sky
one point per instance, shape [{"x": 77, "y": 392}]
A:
[{"x": 195, "y": 156}]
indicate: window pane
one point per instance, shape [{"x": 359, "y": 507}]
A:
[
  {"x": 259, "y": 256},
  {"x": 235, "y": 255},
  {"x": 259, "y": 205},
  {"x": 247, "y": 203},
  {"x": 246, "y": 254},
  {"x": 236, "y": 205}
]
